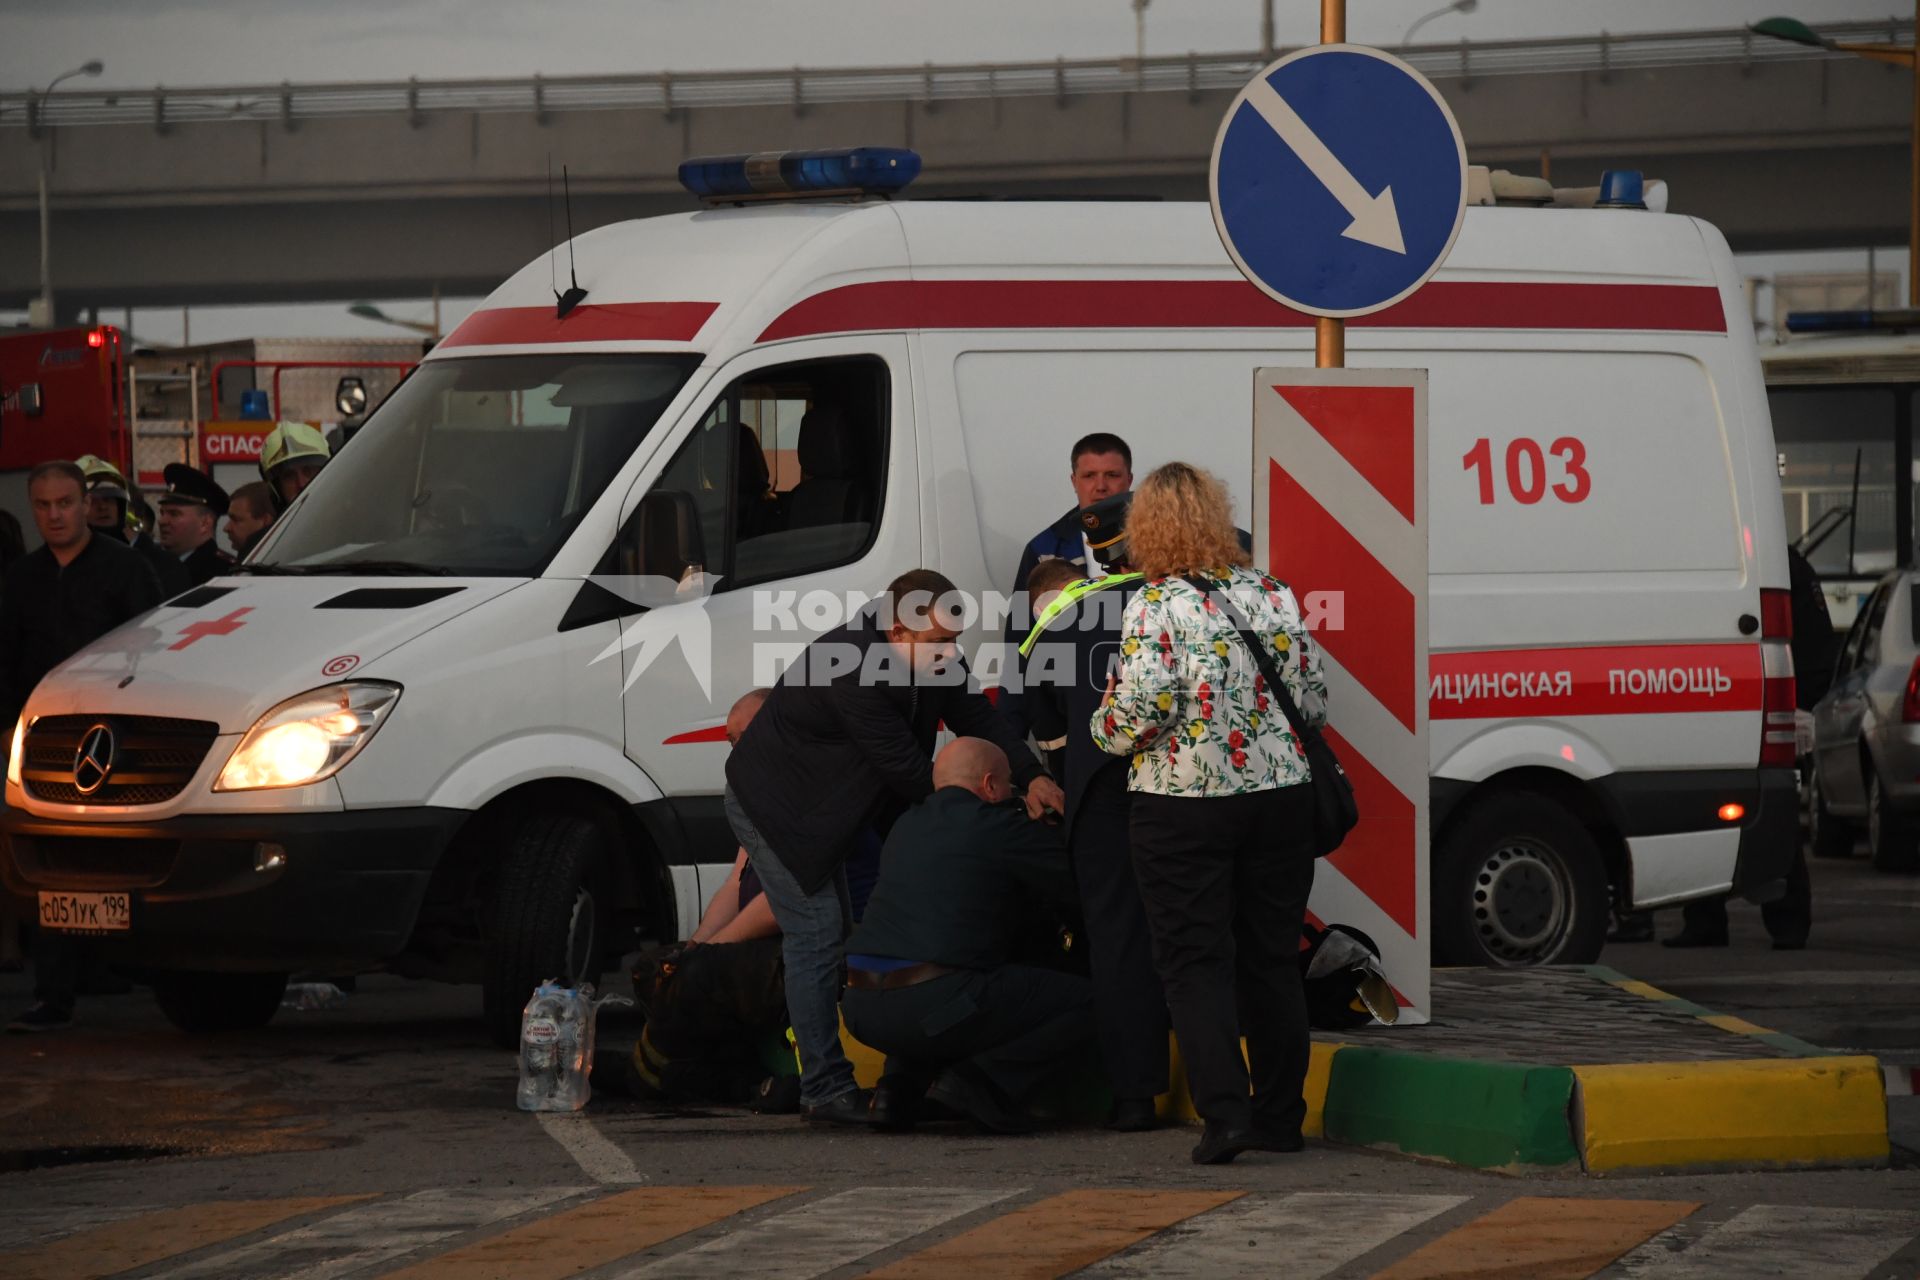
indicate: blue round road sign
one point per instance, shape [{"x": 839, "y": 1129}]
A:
[{"x": 1339, "y": 180}]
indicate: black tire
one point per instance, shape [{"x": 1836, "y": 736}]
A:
[
  {"x": 546, "y": 918},
  {"x": 1891, "y": 837},
  {"x": 208, "y": 1003},
  {"x": 1516, "y": 882},
  {"x": 1828, "y": 834}
]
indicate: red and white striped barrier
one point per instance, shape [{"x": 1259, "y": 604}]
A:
[{"x": 1340, "y": 508}]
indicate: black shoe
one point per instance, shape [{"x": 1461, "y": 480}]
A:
[
  {"x": 1133, "y": 1115},
  {"x": 852, "y": 1108},
  {"x": 960, "y": 1090},
  {"x": 1789, "y": 944},
  {"x": 1219, "y": 1144},
  {"x": 1281, "y": 1143},
  {"x": 42, "y": 1017},
  {"x": 1687, "y": 938},
  {"x": 896, "y": 1103}
]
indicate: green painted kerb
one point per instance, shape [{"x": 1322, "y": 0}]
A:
[{"x": 1487, "y": 1115}]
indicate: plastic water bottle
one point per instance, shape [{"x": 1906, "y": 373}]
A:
[
  {"x": 556, "y": 1048},
  {"x": 313, "y": 995}
]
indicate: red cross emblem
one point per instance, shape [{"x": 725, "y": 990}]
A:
[{"x": 218, "y": 627}]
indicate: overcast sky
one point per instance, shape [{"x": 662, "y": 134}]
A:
[
  {"x": 184, "y": 43},
  {"x": 220, "y": 42}
]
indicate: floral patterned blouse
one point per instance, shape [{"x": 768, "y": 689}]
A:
[{"x": 1191, "y": 707}]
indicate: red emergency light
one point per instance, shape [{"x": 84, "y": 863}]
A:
[{"x": 96, "y": 338}]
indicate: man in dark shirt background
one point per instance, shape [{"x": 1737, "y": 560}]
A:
[
  {"x": 930, "y": 975},
  {"x": 54, "y": 601}
]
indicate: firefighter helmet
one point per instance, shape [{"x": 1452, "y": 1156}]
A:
[{"x": 286, "y": 446}]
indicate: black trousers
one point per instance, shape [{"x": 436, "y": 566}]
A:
[
  {"x": 1788, "y": 918},
  {"x": 1129, "y": 1004},
  {"x": 1225, "y": 881},
  {"x": 1013, "y": 1024}
]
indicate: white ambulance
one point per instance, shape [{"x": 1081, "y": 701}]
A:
[{"x": 417, "y": 732}]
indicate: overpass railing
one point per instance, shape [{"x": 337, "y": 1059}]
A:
[{"x": 930, "y": 83}]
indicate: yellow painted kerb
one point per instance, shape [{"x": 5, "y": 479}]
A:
[{"x": 1785, "y": 1111}]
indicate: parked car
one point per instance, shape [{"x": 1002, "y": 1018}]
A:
[{"x": 1866, "y": 733}]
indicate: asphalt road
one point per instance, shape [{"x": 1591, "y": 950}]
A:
[{"x": 242, "y": 1155}]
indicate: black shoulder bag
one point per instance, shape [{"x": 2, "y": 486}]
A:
[{"x": 1334, "y": 811}]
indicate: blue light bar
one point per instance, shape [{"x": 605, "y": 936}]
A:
[
  {"x": 1852, "y": 321},
  {"x": 1621, "y": 189},
  {"x": 847, "y": 170}
]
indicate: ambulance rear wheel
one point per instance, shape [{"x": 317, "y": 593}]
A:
[
  {"x": 545, "y": 916},
  {"x": 204, "y": 1003},
  {"x": 1518, "y": 882}
]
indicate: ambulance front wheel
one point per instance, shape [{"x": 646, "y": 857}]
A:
[
  {"x": 1518, "y": 881},
  {"x": 203, "y": 1003},
  {"x": 544, "y": 920}
]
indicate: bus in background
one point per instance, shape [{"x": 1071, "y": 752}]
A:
[{"x": 1842, "y": 389}]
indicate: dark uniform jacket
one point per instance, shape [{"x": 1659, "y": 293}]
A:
[
  {"x": 955, "y": 876},
  {"x": 1067, "y": 670},
  {"x": 48, "y": 613},
  {"x": 830, "y": 755},
  {"x": 206, "y": 562},
  {"x": 166, "y": 566}
]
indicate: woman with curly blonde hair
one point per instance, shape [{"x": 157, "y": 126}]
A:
[{"x": 1221, "y": 820}]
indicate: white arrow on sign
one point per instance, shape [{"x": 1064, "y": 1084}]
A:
[{"x": 1375, "y": 220}]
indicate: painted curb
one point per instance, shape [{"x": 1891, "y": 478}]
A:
[
  {"x": 1808, "y": 1110},
  {"x": 1485, "y": 1115},
  {"x": 1772, "y": 1112}
]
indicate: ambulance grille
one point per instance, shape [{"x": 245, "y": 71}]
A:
[
  {"x": 93, "y": 862},
  {"x": 154, "y": 758}
]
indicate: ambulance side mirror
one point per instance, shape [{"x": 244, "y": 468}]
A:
[{"x": 664, "y": 537}]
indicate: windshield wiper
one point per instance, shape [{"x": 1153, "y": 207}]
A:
[
  {"x": 269, "y": 569},
  {"x": 394, "y": 568}
]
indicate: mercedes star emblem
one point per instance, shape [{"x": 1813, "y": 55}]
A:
[{"x": 94, "y": 760}]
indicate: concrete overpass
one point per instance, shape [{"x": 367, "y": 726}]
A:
[{"x": 321, "y": 192}]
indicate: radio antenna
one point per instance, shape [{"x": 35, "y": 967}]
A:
[
  {"x": 575, "y": 294},
  {"x": 553, "y": 245}
]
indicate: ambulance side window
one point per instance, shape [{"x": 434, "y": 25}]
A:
[{"x": 783, "y": 476}]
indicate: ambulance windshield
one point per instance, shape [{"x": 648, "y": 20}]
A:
[{"x": 477, "y": 466}]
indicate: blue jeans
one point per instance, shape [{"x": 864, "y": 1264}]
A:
[{"x": 813, "y": 930}]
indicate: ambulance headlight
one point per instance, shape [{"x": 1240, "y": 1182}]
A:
[
  {"x": 19, "y": 744},
  {"x": 308, "y": 738}
]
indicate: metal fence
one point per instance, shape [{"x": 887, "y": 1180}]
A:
[{"x": 931, "y": 83}]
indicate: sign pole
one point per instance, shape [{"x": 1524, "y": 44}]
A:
[{"x": 1329, "y": 334}]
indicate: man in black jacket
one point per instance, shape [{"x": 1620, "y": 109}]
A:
[
  {"x": 929, "y": 975},
  {"x": 844, "y": 743},
  {"x": 56, "y": 600},
  {"x": 1066, "y": 660}
]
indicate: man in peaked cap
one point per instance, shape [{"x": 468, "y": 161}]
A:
[{"x": 189, "y": 511}]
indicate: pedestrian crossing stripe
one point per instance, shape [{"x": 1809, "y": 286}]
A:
[{"x": 919, "y": 1233}]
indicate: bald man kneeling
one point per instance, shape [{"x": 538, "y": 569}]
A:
[{"x": 930, "y": 981}]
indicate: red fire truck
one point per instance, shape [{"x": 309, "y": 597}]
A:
[{"x": 62, "y": 394}]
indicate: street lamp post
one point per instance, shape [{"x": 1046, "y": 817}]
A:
[
  {"x": 367, "y": 311},
  {"x": 1796, "y": 32},
  {"x": 1458, "y": 6},
  {"x": 46, "y": 317}
]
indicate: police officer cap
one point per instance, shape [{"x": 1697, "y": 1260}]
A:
[
  {"x": 187, "y": 485},
  {"x": 1105, "y": 525}
]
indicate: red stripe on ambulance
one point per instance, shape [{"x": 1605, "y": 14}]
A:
[
  {"x": 593, "y": 322},
  {"x": 1236, "y": 304},
  {"x": 1602, "y": 681}
]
